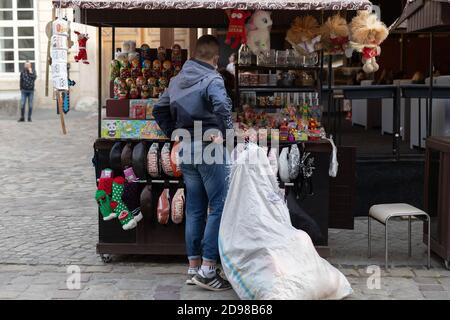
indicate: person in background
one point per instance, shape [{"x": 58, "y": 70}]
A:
[
  {"x": 198, "y": 93},
  {"x": 358, "y": 77},
  {"x": 27, "y": 79},
  {"x": 418, "y": 78},
  {"x": 231, "y": 63},
  {"x": 228, "y": 80},
  {"x": 386, "y": 77}
]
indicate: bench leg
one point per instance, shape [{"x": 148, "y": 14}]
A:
[
  {"x": 409, "y": 237},
  {"x": 369, "y": 237},
  {"x": 386, "y": 265}
]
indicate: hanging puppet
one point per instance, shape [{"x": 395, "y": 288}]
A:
[
  {"x": 82, "y": 52},
  {"x": 258, "y": 32},
  {"x": 335, "y": 35},
  {"x": 236, "y": 27},
  {"x": 366, "y": 35},
  {"x": 304, "y": 35}
]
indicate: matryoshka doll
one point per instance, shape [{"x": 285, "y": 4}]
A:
[
  {"x": 163, "y": 84},
  {"x": 122, "y": 58},
  {"x": 123, "y": 90},
  {"x": 167, "y": 69},
  {"x": 176, "y": 70},
  {"x": 117, "y": 81},
  {"x": 145, "y": 52},
  {"x": 130, "y": 82},
  {"x": 140, "y": 81},
  {"x": 145, "y": 91},
  {"x": 156, "y": 69},
  {"x": 161, "y": 54},
  {"x": 125, "y": 73},
  {"x": 114, "y": 70},
  {"x": 135, "y": 68},
  {"x": 134, "y": 92},
  {"x": 176, "y": 55},
  {"x": 152, "y": 83},
  {"x": 147, "y": 68}
]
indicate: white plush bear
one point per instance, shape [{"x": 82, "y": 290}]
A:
[{"x": 258, "y": 32}]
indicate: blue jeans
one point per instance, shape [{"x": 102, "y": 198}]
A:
[
  {"x": 206, "y": 186},
  {"x": 26, "y": 94}
]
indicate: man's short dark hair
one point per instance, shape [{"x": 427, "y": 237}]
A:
[{"x": 207, "y": 47}]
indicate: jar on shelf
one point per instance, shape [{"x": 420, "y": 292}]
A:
[
  {"x": 263, "y": 79},
  {"x": 244, "y": 55},
  {"x": 281, "y": 58}
]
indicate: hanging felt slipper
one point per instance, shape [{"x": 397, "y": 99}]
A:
[
  {"x": 175, "y": 160},
  {"x": 139, "y": 159},
  {"x": 120, "y": 209},
  {"x": 163, "y": 210},
  {"x": 165, "y": 160},
  {"x": 126, "y": 156},
  {"x": 273, "y": 160},
  {"x": 177, "y": 209},
  {"x": 115, "y": 154},
  {"x": 153, "y": 164},
  {"x": 294, "y": 162},
  {"x": 146, "y": 201},
  {"x": 105, "y": 205},
  {"x": 283, "y": 165}
]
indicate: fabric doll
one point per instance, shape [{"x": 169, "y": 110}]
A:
[
  {"x": 366, "y": 35},
  {"x": 236, "y": 27},
  {"x": 258, "y": 32},
  {"x": 335, "y": 34},
  {"x": 304, "y": 35},
  {"x": 82, "y": 52}
]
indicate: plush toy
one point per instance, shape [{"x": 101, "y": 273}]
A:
[
  {"x": 258, "y": 32},
  {"x": 304, "y": 35},
  {"x": 236, "y": 27},
  {"x": 82, "y": 53},
  {"x": 366, "y": 34},
  {"x": 335, "y": 35},
  {"x": 176, "y": 57}
]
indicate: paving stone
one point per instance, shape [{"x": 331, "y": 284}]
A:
[
  {"x": 431, "y": 287},
  {"x": 423, "y": 280},
  {"x": 436, "y": 295},
  {"x": 65, "y": 294},
  {"x": 401, "y": 272}
]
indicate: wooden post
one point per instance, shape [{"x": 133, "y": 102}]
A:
[
  {"x": 166, "y": 37},
  {"x": 192, "y": 40},
  {"x": 61, "y": 112}
]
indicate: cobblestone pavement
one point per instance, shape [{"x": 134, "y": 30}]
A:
[{"x": 49, "y": 221}]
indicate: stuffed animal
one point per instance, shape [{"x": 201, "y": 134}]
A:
[
  {"x": 236, "y": 27},
  {"x": 366, "y": 35},
  {"x": 82, "y": 53},
  {"x": 335, "y": 35},
  {"x": 304, "y": 35},
  {"x": 258, "y": 32}
]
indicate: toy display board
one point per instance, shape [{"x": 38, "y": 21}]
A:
[{"x": 131, "y": 129}]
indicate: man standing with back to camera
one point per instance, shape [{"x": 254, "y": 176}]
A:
[{"x": 198, "y": 93}]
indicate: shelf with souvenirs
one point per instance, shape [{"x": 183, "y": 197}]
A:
[{"x": 137, "y": 77}]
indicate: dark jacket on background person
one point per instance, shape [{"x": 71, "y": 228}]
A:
[
  {"x": 27, "y": 80},
  {"x": 197, "y": 93}
]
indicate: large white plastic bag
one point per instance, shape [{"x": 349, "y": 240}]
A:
[{"x": 262, "y": 255}]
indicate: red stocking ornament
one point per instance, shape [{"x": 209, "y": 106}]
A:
[
  {"x": 82, "y": 53},
  {"x": 236, "y": 27}
]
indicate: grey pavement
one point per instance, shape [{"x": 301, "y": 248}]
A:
[{"x": 49, "y": 222}]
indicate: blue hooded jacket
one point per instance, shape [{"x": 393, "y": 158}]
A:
[{"x": 197, "y": 93}]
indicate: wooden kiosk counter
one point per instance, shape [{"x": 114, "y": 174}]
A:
[{"x": 330, "y": 204}]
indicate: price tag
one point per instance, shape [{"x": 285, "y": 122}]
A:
[{"x": 60, "y": 83}]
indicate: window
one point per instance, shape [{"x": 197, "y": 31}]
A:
[{"x": 17, "y": 34}]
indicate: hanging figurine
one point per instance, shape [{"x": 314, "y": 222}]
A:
[
  {"x": 335, "y": 35},
  {"x": 304, "y": 35},
  {"x": 367, "y": 33},
  {"x": 82, "y": 53}
]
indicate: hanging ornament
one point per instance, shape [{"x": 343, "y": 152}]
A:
[
  {"x": 236, "y": 27},
  {"x": 82, "y": 52}
]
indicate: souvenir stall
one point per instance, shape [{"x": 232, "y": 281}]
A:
[{"x": 140, "y": 187}]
